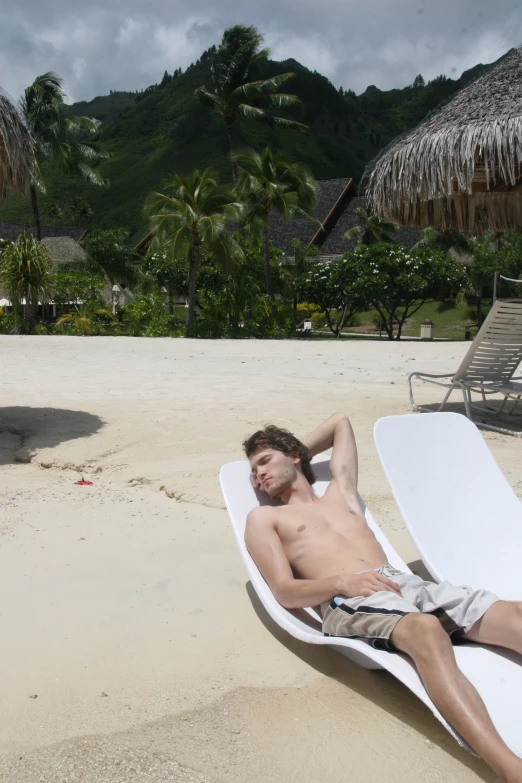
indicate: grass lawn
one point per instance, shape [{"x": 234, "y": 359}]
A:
[{"x": 449, "y": 319}]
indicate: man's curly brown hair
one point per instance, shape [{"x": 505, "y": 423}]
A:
[{"x": 272, "y": 437}]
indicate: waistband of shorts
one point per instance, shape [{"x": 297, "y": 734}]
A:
[{"x": 385, "y": 570}]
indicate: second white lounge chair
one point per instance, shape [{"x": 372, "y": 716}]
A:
[{"x": 497, "y": 677}]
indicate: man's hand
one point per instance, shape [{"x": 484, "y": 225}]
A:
[{"x": 365, "y": 584}]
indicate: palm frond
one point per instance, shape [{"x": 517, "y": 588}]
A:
[
  {"x": 91, "y": 175},
  {"x": 281, "y": 122},
  {"x": 251, "y": 112},
  {"x": 262, "y": 88},
  {"x": 281, "y": 100},
  {"x": 17, "y": 151},
  {"x": 210, "y": 99}
]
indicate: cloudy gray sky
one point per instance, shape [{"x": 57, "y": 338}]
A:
[{"x": 127, "y": 44}]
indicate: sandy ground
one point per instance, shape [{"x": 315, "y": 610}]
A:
[{"x": 132, "y": 647}]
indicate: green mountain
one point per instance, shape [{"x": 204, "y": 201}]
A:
[{"x": 164, "y": 129}]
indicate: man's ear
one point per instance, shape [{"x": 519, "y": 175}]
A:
[{"x": 296, "y": 459}]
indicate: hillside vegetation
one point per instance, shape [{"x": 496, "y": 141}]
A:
[{"x": 164, "y": 129}]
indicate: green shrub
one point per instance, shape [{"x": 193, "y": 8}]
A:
[
  {"x": 318, "y": 321},
  {"x": 147, "y": 316},
  {"x": 13, "y": 324},
  {"x": 41, "y": 329},
  {"x": 207, "y": 328}
]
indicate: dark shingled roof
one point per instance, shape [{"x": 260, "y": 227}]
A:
[
  {"x": 334, "y": 243},
  {"x": 332, "y": 193},
  {"x": 12, "y": 231}
]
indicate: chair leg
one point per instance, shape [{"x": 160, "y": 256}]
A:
[
  {"x": 444, "y": 401},
  {"x": 466, "y": 393},
  {"x": 514, "y": 406},
  {"x": 506, "y": 398}
]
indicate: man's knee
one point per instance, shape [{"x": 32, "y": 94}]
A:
[{"x": 418, "y": 634}]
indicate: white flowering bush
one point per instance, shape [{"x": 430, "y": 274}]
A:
[{"x": 397, "y": 281}]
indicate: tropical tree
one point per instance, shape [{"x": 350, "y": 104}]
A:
[
  {"x": 57, "y": 136},
  {"x": 16, "y": 150},
  {"x": 371, "y": 229},
  {"x": 107, "y": 253},
  {"x": 494, "y": 252},
  {"x": 239, "y": 92},
  {"x": 335, "y": 288},
  {"x": 162, "y": 273},
  {"x": 77, "y": 286},
  {"x": 397, "y": 281},
  {"x": 269, "y": 183},
  {"x": 54, "y": 211},
  {"x": 80, "y": 209},
  {"x": 190, "y": 213},
  {"x": 27, "y": 273}
]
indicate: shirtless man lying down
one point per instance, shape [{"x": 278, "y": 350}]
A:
[{"x": 320, "y": 551}]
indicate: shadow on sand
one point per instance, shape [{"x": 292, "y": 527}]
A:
[
  {"x": 24, "y": 430},
  {"x": 505, "y": 420},
  {"x": 378, "y": 685}
]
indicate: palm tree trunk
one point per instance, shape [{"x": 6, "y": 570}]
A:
[
  {"x": 36, "y": 213},
  {"x": 232, "y": 147},
  {"x": 193, "y": 277},
  {"x": 266, "y": 254}
]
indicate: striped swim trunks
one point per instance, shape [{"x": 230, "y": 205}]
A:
[{"x": 373, "y": 618}]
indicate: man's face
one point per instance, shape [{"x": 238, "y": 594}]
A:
[{"x": 273, "y": 471}]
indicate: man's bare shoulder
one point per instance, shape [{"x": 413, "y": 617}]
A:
[{"x": 261, "y": 516}]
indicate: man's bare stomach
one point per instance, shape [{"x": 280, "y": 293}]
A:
[{"x": 320, "y": 542}]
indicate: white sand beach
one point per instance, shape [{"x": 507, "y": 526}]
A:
[{"x": 132, "y": 647}]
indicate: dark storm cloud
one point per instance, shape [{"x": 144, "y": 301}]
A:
[{"x": 127, "y": 45}]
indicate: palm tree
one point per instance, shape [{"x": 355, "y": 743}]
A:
[
  {"x": 27, "y": 273},
  {"x": 192, "y": 212},
  {"x": 57, "y": 136},
  {"x": 272, "y": 183},
  {"x": 445, "y": 240},
  {"x": 371, "y": 229},
  {"x": 238, "y": 90},
  {"x": 16, "y": 150}
]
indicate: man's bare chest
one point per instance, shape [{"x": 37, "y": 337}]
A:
[{"x": 318, "y": 522}]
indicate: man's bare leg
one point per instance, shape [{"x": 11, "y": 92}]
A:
[
  {"x": 421, "y": 636},
  {"x": 501, "y": 625}
]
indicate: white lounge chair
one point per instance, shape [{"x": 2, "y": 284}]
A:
[
  {"x": 488, "y": 367},
  {"x": 492, "y": 674},
  {"x": 458, "y": 507}
]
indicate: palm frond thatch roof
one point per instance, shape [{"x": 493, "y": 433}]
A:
[
  {"x": 64, "y": 249},
  {"x": 461, "y": 167},
  {"x": 16, "y": 150}
]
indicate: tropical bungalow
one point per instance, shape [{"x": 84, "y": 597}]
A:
[{"x": 64, "y": 245}]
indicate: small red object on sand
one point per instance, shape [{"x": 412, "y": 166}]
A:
[{"x": 84, "y": 483}]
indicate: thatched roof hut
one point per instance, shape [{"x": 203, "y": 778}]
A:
[
  {"x": 64, "y": 250},
  {"x": 16, "y": 150},
  {"x": 461, "y": 167}
]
